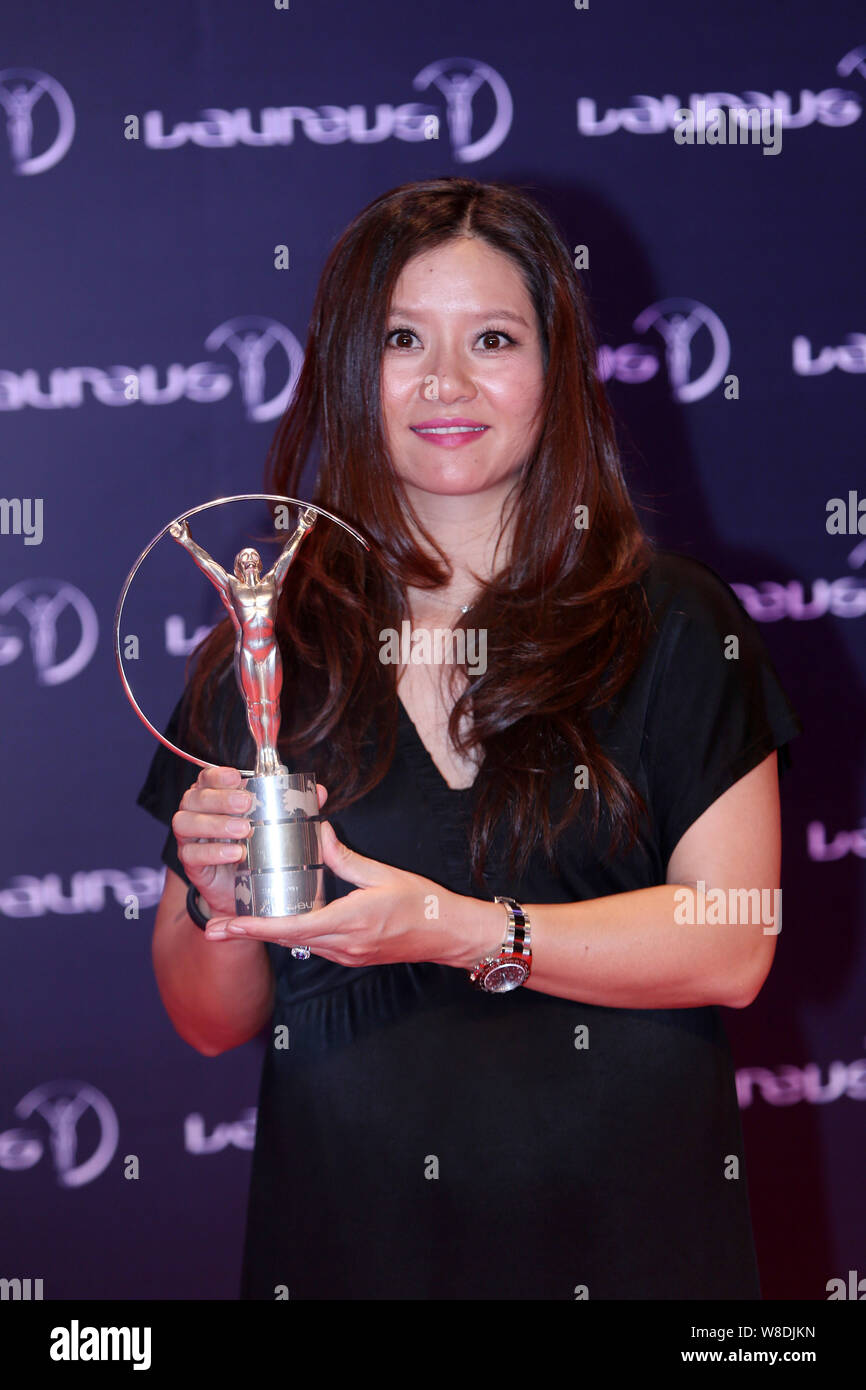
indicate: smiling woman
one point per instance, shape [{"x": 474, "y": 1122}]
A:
[
  {"x": 449, "y": 324},
  {"x": 532, "y": 823}
]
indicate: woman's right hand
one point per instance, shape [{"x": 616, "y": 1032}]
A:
[{"x": 209, "y": 827}]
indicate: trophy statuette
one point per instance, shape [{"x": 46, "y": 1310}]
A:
[{"x": 282, "y": 873}]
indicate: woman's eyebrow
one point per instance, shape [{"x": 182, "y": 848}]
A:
[{"x": 481, "y": 314}]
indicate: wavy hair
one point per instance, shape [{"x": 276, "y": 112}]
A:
[{"x": 566, "y": 620}]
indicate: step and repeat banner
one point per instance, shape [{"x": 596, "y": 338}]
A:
[{"x": 173, "y": 176}]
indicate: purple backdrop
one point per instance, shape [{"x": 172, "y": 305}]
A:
[{"x": 153, "y": 160}]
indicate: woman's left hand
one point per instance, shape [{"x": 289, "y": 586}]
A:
[{"x": 391, "y": 916}]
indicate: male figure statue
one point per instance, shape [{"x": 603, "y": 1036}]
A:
[{"x": 251, "y": 599}]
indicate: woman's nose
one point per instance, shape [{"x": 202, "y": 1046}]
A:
[{"x": 447, "y": 378}]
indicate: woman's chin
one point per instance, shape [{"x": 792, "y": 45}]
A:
[{"x": 452, "y": 482}]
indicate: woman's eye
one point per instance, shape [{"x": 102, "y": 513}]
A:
[
  {"x": 494, "y": 333},
  {"x": 400, "y": 333},
  {"x": 398, "y": 338}
]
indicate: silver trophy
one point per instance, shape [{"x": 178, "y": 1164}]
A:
[{"x": 281, "y": 874}]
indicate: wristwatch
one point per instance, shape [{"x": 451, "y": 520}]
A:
[
  {"x": 193, "y": 909},
  {"x": 512, "y": 966}
]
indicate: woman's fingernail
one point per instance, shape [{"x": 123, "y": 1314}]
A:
[
  {"x": 236, "y": 929},
  {"x": 215, "y": 934},
  {"x": 238, "y": 827},
  {"x": 231, "y": 851}
]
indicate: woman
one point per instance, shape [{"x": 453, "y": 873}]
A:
[{"x": 418, "y": 1136}]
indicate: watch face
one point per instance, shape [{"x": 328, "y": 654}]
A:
[{"x": 504, "y": 977}]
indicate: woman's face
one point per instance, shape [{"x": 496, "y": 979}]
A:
[{"x": 469, "y": 350}]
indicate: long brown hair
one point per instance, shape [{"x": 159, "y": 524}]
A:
[{"x": 566, "y": 620}]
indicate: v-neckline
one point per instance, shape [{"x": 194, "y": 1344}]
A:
[{"x": 422, "y": 750}]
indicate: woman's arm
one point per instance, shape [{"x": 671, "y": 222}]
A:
[
  {"x": 624, "y": 951},
  {"x": 217, "y": 997},
  {"x": 629, "y": 951}
]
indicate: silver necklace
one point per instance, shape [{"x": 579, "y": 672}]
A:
[{"x": 464, "y": 607}]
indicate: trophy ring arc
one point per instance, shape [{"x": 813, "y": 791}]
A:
[{"x": 281, "y": 874}]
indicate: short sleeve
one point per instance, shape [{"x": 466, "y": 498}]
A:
[
  {"x": 228, "y": 744},
  {"x": 718, "y": 708},
  {"x": 167, "y": 779}
]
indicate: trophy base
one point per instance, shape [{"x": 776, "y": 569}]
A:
[{"x": 282, "y": 874}]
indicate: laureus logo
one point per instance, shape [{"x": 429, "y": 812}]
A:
[
  {"x": 458, "y": 80},
  {"x": 40, "y": 119},
  {"x": 477, "y": 115},
  {"x": 82, "y": 1132},
  {"x": 855, "y": 61},
  {"x": 680, "y": 322},
  {"x": 649, "y": 115},
  {"x": 56, "y": 621},
  {"x": 268, "y": 358},
  {"x": 695, "y": 345},
  {"x": 251, "y": 339}
]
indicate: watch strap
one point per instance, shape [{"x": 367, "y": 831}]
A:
[
  {"x": 515, "y": 948},
  {"x": 517, "y": 935}
]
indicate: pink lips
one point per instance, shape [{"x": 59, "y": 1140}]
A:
[
  {"x": 472, "y": 429},
  {"x": 450, "y": 420}
]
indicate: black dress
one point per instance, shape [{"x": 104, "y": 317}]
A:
[{"x": 419, "y": 1139}]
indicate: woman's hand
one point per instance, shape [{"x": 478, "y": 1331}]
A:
[
  {"x": 209, "y": 827},
  {"x": 392, "y": 916}
]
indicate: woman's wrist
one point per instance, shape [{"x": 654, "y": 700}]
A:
[{"x": 470, "y": 929}]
